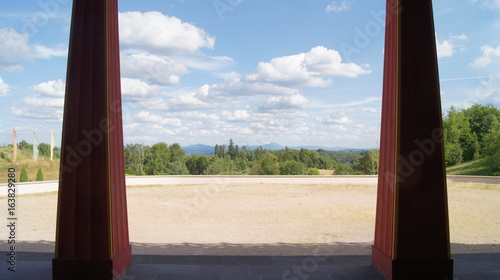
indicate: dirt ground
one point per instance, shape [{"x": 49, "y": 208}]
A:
[{"x": 262, "y": 219}]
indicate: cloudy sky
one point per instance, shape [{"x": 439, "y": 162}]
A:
[{"x": 294, "y": 72}]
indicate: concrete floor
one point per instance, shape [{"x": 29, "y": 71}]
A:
[{"x": 164, "y": 267}]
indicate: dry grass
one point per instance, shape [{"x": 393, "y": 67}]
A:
[
  {"x": 325, "y": 172},
  {"x": 50, "y": 169}
]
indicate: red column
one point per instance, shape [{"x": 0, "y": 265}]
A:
[
  {"x": 92, "y": 229},
  {"x": 411, "y": 231}
]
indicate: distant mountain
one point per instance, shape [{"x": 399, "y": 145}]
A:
[
  {"x": 338, "y": 149},
  {"x": 200, "y": 149}
]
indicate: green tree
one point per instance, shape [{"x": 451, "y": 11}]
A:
[
  {"x": 232, "y": 150},
  {"x": 258, "y": 153},
  {"x": 56, "y": 153},
  {"x": 135, "y": 157},
  {"x": 326, "y": 162},
  {"x": 44, "y": 150},
  {"x": 343, "y": 169},
  {"x": 481, "y": 119},
  {"x": 177, "y": 168},
  {"x": 292, "y": 167},
  {"x": 39, "y": 175},
  {"x": 220, "y": 151},
  {"x": 24, "y": 175},
  {"x": 452, "y": 153},
  {"x": 367, "y": 164},
  {"x": 222, "y": 166},
  {"x": 492, "y": 148},
  {"x": 304, "y": 157},
  {"x": 23, "y": 145},
  {"x": 197, "y": 164},
  {"x": 158, "y": 159},
  {"x": 269, "y": 164},
  {"x": 288, "y": 154},
  {"x": 176, "y": 152},
  {"x": 216, "y": 167},
  {"x": 457, "y": 130}
]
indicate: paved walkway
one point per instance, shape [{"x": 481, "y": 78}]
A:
[
  {"x": 164, "y": 267},
  {"x": 53, "y": 186}
]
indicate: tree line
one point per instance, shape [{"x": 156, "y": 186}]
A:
[
  {"x": 231, "y": 159},
  {"x": 471, "y": 134}
]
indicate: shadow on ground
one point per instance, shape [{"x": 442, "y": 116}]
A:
[{"x": 226, "y": 261}]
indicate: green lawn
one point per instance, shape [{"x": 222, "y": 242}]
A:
[{"x": 474, "y": 167}]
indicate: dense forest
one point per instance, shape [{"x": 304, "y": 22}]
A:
[
  {"x": 231, "y": 159},
  {"x": 473, "y": 134}
]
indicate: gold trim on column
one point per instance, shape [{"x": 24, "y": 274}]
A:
[
  {"x": 108, "y": 136},
  {"x": 395, "y": 202}
]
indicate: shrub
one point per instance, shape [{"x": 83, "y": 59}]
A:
[
  {"x": 39, "y": 175},
  {"x": 292, "y": 167},
  {"x": 313, "y": 171},
  {"x": 343, "y": 169},
  {"x": 24, "y": 175},
  {"x": 129, "y": 171}
]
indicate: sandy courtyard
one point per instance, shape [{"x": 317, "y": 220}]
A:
[{"x": 262, "y": 219}]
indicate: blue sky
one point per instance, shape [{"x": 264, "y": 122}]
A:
[{"x": 295, "y": 72}]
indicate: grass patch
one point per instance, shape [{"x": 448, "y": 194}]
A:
[
  {"x": 50, "y": 168},
  {"x": 474, "y": 167}
]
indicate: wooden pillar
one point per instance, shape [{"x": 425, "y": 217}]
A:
[
  {"x": 411, "y": 231},
  {"x": 92, "y": 229}
]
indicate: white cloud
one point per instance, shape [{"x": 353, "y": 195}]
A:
[
  {"x": 312, "y": 69},
  {"x": 148, "y": 117},
  {"x": 136, "y": 89},
  {"x": 152, "y": 68},
  {"x": 163, "y": 34},
  {"x": 140, "y": 139},
  {"x": 47, "y": 52},
  {"x": 36, "y": 102},
  {"x": 188, "y": 101},
  {"x": 488, "y": 4},
  {"x": 53, "y": 88},
  {"x": 444, "y": 48},
  {"x": 448, "y": 47},
  {"x": 197, "y": 115},
  {"x": 459, "y": 37},
  {"x": 236, "y": 88},
  {"x": 4, "y": 87},
  {"x": 153, "y": 103},
  {"x": 489, "y": 53},
  {"x": 48, "y": 107},
  {"x": 296, "y": 101},
  {"x": 13, "y": 48},
  {"x": 206, "y": 63},
  {"x": 345, "y": 5},
  {"x": 336, "y": 118},
  {"x": 35, "y": 111},
  {"x": 238, "y": 115},
  {"x": 488, "y": 91},
  {"x": 223, "y": 94},
  {"x": 351, "y": 103}
]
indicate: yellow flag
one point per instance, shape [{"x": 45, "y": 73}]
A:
[
  {"x": 14, "y": 140},
  {"x": 52, "y": 144},
  {"x": 35, "y": 147}
]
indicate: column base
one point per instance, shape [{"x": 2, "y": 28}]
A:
[
  {"x": 438, "y": 269},
  {"x": 90, "y": 269}
]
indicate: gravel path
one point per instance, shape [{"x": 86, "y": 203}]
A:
[{"x": 263, "y": 219}]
